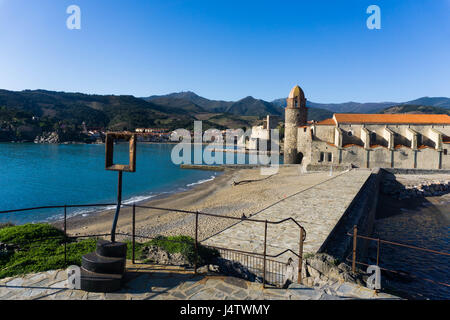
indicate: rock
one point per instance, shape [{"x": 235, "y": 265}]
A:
[
  {"x": 203, "y": 269},
  {"x": 323, "y": 269},
  {"x": 7, "y": 249},
  {"x": 213, "y": 268},
  {"x": 236, "y": 269},
  {"x": 160, "y": 256}
]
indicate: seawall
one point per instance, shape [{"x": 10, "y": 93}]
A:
[{"x": 361, "y": 212}]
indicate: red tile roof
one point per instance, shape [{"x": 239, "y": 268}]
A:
[
  {"x": 329, "y": 121},
  {"x": 392, "y": 118}
]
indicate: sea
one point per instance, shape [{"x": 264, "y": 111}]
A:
[
  {"x": 424, "y": 275},
  {"x": 34, "y": 175}
]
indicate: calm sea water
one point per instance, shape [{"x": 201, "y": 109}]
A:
[
  {"x": 427, "y": 226},
  {"x": 41, "y": 174}
]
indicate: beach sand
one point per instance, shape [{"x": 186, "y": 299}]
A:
[{"x": 219, "y": 197}]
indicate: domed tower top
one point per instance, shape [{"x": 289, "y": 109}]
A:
[{"x": 296, "y": 98}]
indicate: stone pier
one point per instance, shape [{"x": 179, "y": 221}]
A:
[{"x": 318, "y": 209}]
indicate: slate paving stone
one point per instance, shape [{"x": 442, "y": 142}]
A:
[
  {"x": 240, "y": 294},
  {"x": 236, "y": 282},
  {"x": 178, "y": 295},
  {"x": 225, "y": 289},
  {"x": 204, "y": 294},
  {"x": 345, "y": 289},
  {"x": 193, "y": 290},
  {"x": 116, "y": 296},
  {"x": 162, "y": 286}
]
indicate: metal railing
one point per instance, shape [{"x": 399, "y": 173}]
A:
[
  {"x": 272, "y": 272},
  {"x": 379, "y": 241}
]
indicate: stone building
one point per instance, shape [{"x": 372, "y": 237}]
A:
[
  {"x": 366, "y": 140},
  {"x": 259, "y": 137}
]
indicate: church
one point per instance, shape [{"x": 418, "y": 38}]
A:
[{"x": 413, "y": 141}]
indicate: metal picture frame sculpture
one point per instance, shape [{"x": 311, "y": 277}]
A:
[
  {"x": 104, "y": 269},
  {"x": 111, "y": 137}
]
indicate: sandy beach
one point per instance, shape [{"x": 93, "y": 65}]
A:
[{"x": 219, "y": 196}]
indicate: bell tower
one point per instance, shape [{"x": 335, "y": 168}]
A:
[{"x": 296, "y": 115}]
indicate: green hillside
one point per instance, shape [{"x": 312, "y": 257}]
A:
[{"x": 417, "y": 109}]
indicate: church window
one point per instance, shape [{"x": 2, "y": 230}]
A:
[
  {"x": 373, "y": 137},
  {"x": 419, "y": 139}
]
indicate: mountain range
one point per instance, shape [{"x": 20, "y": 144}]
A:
[
  {"x": 257, "y": 107},
  {"x": 30, "y": 112}
]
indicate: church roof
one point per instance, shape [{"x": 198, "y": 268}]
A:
[
  {"x": 355, "y": 118},
  {"x": 329, "y": 121},
  {"x": 295, "y": 92},
  {"x": 392, "y": 118}
]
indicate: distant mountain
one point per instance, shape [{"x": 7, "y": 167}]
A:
[
  {"x": 250, "y": 106},
  {"x": 342, "y": 107},
  {"x": 318, "y": 114},
  {"x": 114, "y": 112},
  {"x": 24, "y": 114},
  {"x": 370, "y": 107},
  {"x": 209, "y": 105},
  {"x": 440, "y": 102},
  {"x": 176, "y": 103},
  {"x": 417, "y": 109}
]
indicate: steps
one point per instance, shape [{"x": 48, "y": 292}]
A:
[{"x": 103, "y": 270}]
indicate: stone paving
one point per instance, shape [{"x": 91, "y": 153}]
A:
[
  {"x": 151, "y": 282},
  {"x": 317, "y": 209}
]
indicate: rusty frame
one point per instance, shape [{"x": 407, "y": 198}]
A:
[{"x": 111, "y": 137}]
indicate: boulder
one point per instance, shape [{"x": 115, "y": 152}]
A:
[{"x": 160, "y": 256}]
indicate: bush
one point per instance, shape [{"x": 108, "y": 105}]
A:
[
  {"x": 24, "y": 234},
  {"x": 43, "y": 255},
  {"x": 176, "y": 244}
]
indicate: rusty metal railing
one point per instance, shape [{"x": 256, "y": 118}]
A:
[
  {"x": 302, "y": 235},
  {"x": 274, "y": 277},
  {"x": 379, "y": 241}
]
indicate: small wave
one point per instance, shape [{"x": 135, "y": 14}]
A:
[
  {"x": 87, "y": 211},
  {"x": 200, "y": 181}
]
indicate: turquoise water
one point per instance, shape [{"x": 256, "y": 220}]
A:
[{"x": 40, "y": 174}]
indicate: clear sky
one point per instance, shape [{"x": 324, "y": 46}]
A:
[{"x": 229, "y": 49}]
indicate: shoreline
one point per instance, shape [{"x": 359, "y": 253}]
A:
[
  {"x": 221, "y": 196},
  {"x": 99, "y": 219}
]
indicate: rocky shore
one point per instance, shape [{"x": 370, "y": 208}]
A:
[
  {"x": 423, "y": 189},
  {"x": 67, "y": 138}
]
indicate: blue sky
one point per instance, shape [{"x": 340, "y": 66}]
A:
[{"x": 229, "y": 49}]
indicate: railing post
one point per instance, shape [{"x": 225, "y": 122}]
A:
[
  {"x": 378, "y": 252},
  {"x": 65, "y": 234},
  {"x": 196, "y": 242},
  {"x": 265, "y": 252},
  {"x": 300, "y": 257},
  {"x": 134, "y": 232},
  {"x": 355, "y": 236}
]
